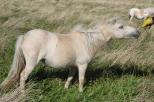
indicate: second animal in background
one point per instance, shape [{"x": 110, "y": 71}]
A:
[{"x": 140, "y": 13}]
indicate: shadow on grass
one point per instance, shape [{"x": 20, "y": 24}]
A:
[
  {"x": 114, "y": 72},
  {"x": 92, "y": 74}
]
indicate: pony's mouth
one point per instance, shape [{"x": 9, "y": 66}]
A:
[{"x": 136, "y": 35}]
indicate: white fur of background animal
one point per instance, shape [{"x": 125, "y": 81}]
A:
[{"x": 140, "y": 13}]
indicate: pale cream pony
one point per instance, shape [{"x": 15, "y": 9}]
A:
[
  {"x": 62, "y": 50},
  {"x": 140, "y": 13}
]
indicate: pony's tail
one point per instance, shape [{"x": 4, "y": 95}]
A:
[{"x": 17, "y": 66}]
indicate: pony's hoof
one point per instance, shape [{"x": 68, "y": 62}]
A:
[
  {"x": 22, "y": 90},
  {"x": 80, "y": 89},
  {"x": 0, "y": 93},
  {"x": 2, "y": 90},
  {"x": 66, "y": 86}
]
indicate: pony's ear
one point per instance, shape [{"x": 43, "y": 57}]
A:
[
  {"x": 115, "y": 20},
  {"x": 112, "y": 21}
]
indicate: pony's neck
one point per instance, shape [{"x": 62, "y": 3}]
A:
[
  {"x": 107, "y": 32},
  {"x": 95, "y": 40}
]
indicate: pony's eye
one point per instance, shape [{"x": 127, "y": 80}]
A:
[{"x": 121, "y": 27}]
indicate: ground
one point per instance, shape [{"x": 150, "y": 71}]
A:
[{"x": 121, "y": 72}]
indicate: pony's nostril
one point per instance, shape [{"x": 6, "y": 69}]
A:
[{"x": 137, "y": 34}]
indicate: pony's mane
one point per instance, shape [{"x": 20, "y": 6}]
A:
[
  {"x": 94, "y": 37},
  {"x": 94, "y": 40}
]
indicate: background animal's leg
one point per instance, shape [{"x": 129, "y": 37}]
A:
[
  {"x": 25, "y": 73},
  {"x": 131, "y": 18},
  {"x": 82, "y": 70},
  {"x": 72, "y": 72}
]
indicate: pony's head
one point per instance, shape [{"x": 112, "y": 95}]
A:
[{"x": 115, "y": 29}]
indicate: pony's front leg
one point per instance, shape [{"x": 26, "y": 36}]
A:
[
  {"x": 82, "y": 70},
  {"x": 72, "y": 72}
]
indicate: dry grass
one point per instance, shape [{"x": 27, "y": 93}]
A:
[
  {"x": 146, "y": 92},
  {"x": 15, "y": 95}
]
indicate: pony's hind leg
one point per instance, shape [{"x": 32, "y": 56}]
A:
[
  {"x": 72, "y": 72},
  {"x": 25, "y": 73},
  {"x": 31, "y": 61}
]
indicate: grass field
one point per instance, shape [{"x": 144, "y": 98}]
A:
[{"x": 122, "y": 72}]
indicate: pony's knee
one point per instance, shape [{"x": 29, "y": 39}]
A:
[
  {"x": 22, "y": 80},
  {"x": 25, "y": 73}
]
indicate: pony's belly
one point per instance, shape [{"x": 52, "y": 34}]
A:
[{"x": 57, "y": 62}]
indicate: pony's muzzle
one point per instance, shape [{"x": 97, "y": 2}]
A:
[{"x": 136, "y": 34}]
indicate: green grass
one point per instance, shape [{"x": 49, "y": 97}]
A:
[
  {"x": 106, "y": 89},
  {"x": 129, "y": 79}
]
